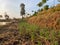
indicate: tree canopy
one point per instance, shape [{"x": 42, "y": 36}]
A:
[{"x": 40, "y": 4}]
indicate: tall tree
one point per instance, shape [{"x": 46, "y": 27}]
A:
[{"x": 22, "y": 9}]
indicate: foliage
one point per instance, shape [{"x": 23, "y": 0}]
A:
[
  {"x": 22, "y": 9},
  {"x": 46, "y": 7},
  {"x": 44, "y": 1},
  {"x": 35, "y": 14},
  {"x": 6, "y": 16},
  {"x": 40, "y": 4},
  {"x": 41, "y": 9}
]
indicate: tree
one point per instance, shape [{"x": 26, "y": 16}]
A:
[
  {"x": 44, "y": 1},
  {"x": 46, "y": 7},
  {"x": 1, "y": 16},
  {"x": 40, "y": 4},
  {"x": 6, "y": 16},
  {"x": 35, "y": 13},
  {"x": 22, "y": 9},
  {"x": 41, "y": 9}
]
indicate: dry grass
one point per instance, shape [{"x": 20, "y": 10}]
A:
[{"x": 48, "y": 18}]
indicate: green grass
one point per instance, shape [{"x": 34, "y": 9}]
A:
[
  {"x": 45, "y": 33},
  {"x": 24, "y": 26}
]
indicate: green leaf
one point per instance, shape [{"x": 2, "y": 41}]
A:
[{"x": 40, "y": 4}]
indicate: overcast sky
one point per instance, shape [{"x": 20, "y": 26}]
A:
[{"x": 12, "y": 7}]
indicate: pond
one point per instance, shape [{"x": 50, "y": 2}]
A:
[{"x": 4, "y": 23}]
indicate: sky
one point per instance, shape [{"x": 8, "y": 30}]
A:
[{"x": 12, "y": 7}]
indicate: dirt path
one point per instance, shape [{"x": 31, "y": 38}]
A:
[{"x": 9, "y": 34}]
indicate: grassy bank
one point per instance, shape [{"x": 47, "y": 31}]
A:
[{"x": 38, "y": 35}]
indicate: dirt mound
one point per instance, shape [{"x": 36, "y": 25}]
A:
[{"x": 48, "y": 18}]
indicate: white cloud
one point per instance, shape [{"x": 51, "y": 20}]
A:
[
  {"x": 2, "y": 6},
  {"x": 7, "y": 6}
]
